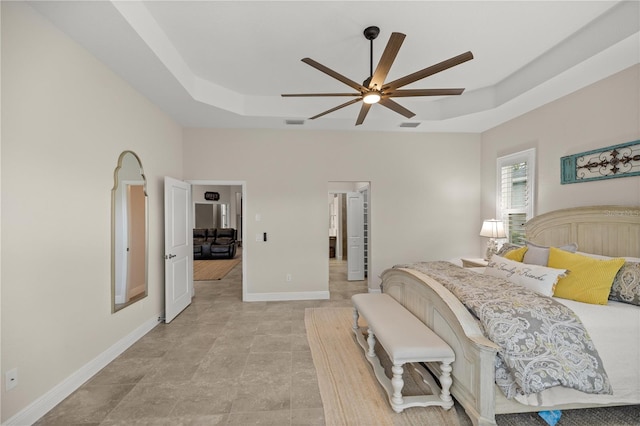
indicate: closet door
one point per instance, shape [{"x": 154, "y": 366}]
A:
[{"x": 355, "y": 236}]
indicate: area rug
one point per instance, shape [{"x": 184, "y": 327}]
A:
[
  {"x": 214, "y": 269},
  {"x": 352, "y": 396},
  {"x": 350, "y": 393}
]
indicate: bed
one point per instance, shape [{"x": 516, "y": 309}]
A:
[{"x": 612, "y": 231}]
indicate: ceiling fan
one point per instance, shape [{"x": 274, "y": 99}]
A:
[{"x": 375, "y": 90}]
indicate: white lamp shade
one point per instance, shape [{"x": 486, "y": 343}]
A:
[{"x": 492, "y": 228}]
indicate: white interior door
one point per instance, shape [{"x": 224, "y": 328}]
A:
[
  {"x": 355, "y": 236},
  {"x": 178, "y": 248}
]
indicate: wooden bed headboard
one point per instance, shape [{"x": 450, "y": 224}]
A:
[{"x": 605, "y": 230}]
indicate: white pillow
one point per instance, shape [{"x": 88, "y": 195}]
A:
[{"x": 540, "y": 279}]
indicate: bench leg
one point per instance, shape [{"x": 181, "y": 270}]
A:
[
  {"x": 356, "y": 315},
  {"x": 397, "y": 384},
  {"x": 371, "y": 341},
  {"x": 445, "y": 382}
]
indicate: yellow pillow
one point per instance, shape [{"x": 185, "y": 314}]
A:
[
  {"x": 589, "y": 280},
  {"x": 517, "y": 254}
]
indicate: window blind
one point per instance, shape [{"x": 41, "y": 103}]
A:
[{"x": 514, "y": 199}]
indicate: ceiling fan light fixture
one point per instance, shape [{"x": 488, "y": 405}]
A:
[
  {"x": 374, "y": 89},
  {"x": 372, "y": 97}
]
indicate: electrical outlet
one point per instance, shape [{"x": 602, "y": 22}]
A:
[
  {"x": 11, "y": 379},
  {"x": 288, "y": 277}
]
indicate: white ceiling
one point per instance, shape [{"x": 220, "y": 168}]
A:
[{"x": 225, "y": 63}]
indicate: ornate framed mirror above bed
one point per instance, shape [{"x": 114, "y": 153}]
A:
[{"x": 427, "y": 290}]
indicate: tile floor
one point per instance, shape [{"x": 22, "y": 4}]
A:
[{"x": 220, "y": 362}]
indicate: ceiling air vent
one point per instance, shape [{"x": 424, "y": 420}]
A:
[
  {"x": 294, "y": 122},
  {"x": 411, "y": 125}
]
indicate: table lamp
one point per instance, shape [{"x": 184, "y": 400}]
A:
[{"x": 493, "y": 229}]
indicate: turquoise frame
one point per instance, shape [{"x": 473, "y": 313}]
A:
[{"x": 570, "y": 170}]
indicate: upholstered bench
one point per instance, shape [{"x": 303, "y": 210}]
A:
[{"x": 405, "y": 339}]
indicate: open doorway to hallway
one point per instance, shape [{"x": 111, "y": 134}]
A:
[
  {"x": 217, "y": 217},
  {"x": 349, "y": 235}
]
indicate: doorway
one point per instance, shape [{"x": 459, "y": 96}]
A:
[
  {"x": 226, "y": 210},
  {"x": 349, "y": 234}
]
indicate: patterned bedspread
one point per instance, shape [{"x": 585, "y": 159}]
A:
[{"x": 543, "y": 343}]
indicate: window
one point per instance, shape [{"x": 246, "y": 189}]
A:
[
  {"x": 224, "y": 215},
  {"x": 516, "y": 192}
]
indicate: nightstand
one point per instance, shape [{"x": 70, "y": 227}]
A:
[{"x": 473, "y": 262}]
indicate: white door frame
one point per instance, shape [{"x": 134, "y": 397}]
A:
[{"x": 243, "y": 184}]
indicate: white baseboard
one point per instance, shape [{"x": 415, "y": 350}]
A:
[
  {"x": 272, "y": 297},
  {"x": 46, "y": 402}
]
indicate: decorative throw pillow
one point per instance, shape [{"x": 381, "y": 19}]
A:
[
  {"x": 539, "y": 255},
  {"x": 534, "y": 277},
  {"x": 626, "y": 284},
  {"x": 516, "y": 254},
  {"x": 506, "y": 248},
  {"x": 599, "y": 256},
  {"x": 589, "y": 280}
]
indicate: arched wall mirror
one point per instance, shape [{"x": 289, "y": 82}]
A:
[{"x": 129, "y": 232}]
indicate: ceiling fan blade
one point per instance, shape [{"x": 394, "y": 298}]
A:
[
  {"x": 336, "y": 75},
  {"x": 363, "y": 113},
  {"x": 294, "y": 95},
  {"x": 433, "y": 69},
  {"x": 386, "y": 60},
  {"x": 396, "y": 107},
  {"x": 353, "y": 101},
  {"x": 424, "y": 92}
]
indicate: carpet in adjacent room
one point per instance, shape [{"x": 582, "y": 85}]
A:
[{"x": 214, "y": 269}]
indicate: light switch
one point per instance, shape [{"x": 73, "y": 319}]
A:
[{"x": 258, "y": 217}]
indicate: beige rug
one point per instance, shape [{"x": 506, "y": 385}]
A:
[
  {"x": 214, "y": 269},
  {"x": 351, "y": 395}
]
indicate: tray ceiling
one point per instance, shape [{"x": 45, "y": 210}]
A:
[{"x": 225, "y": 63}]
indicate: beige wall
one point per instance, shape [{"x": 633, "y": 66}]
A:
[
  {"x": 603, "y": 114},
  {"x": 65, "y": 120},
  {"x": 424, "y": 199}
]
